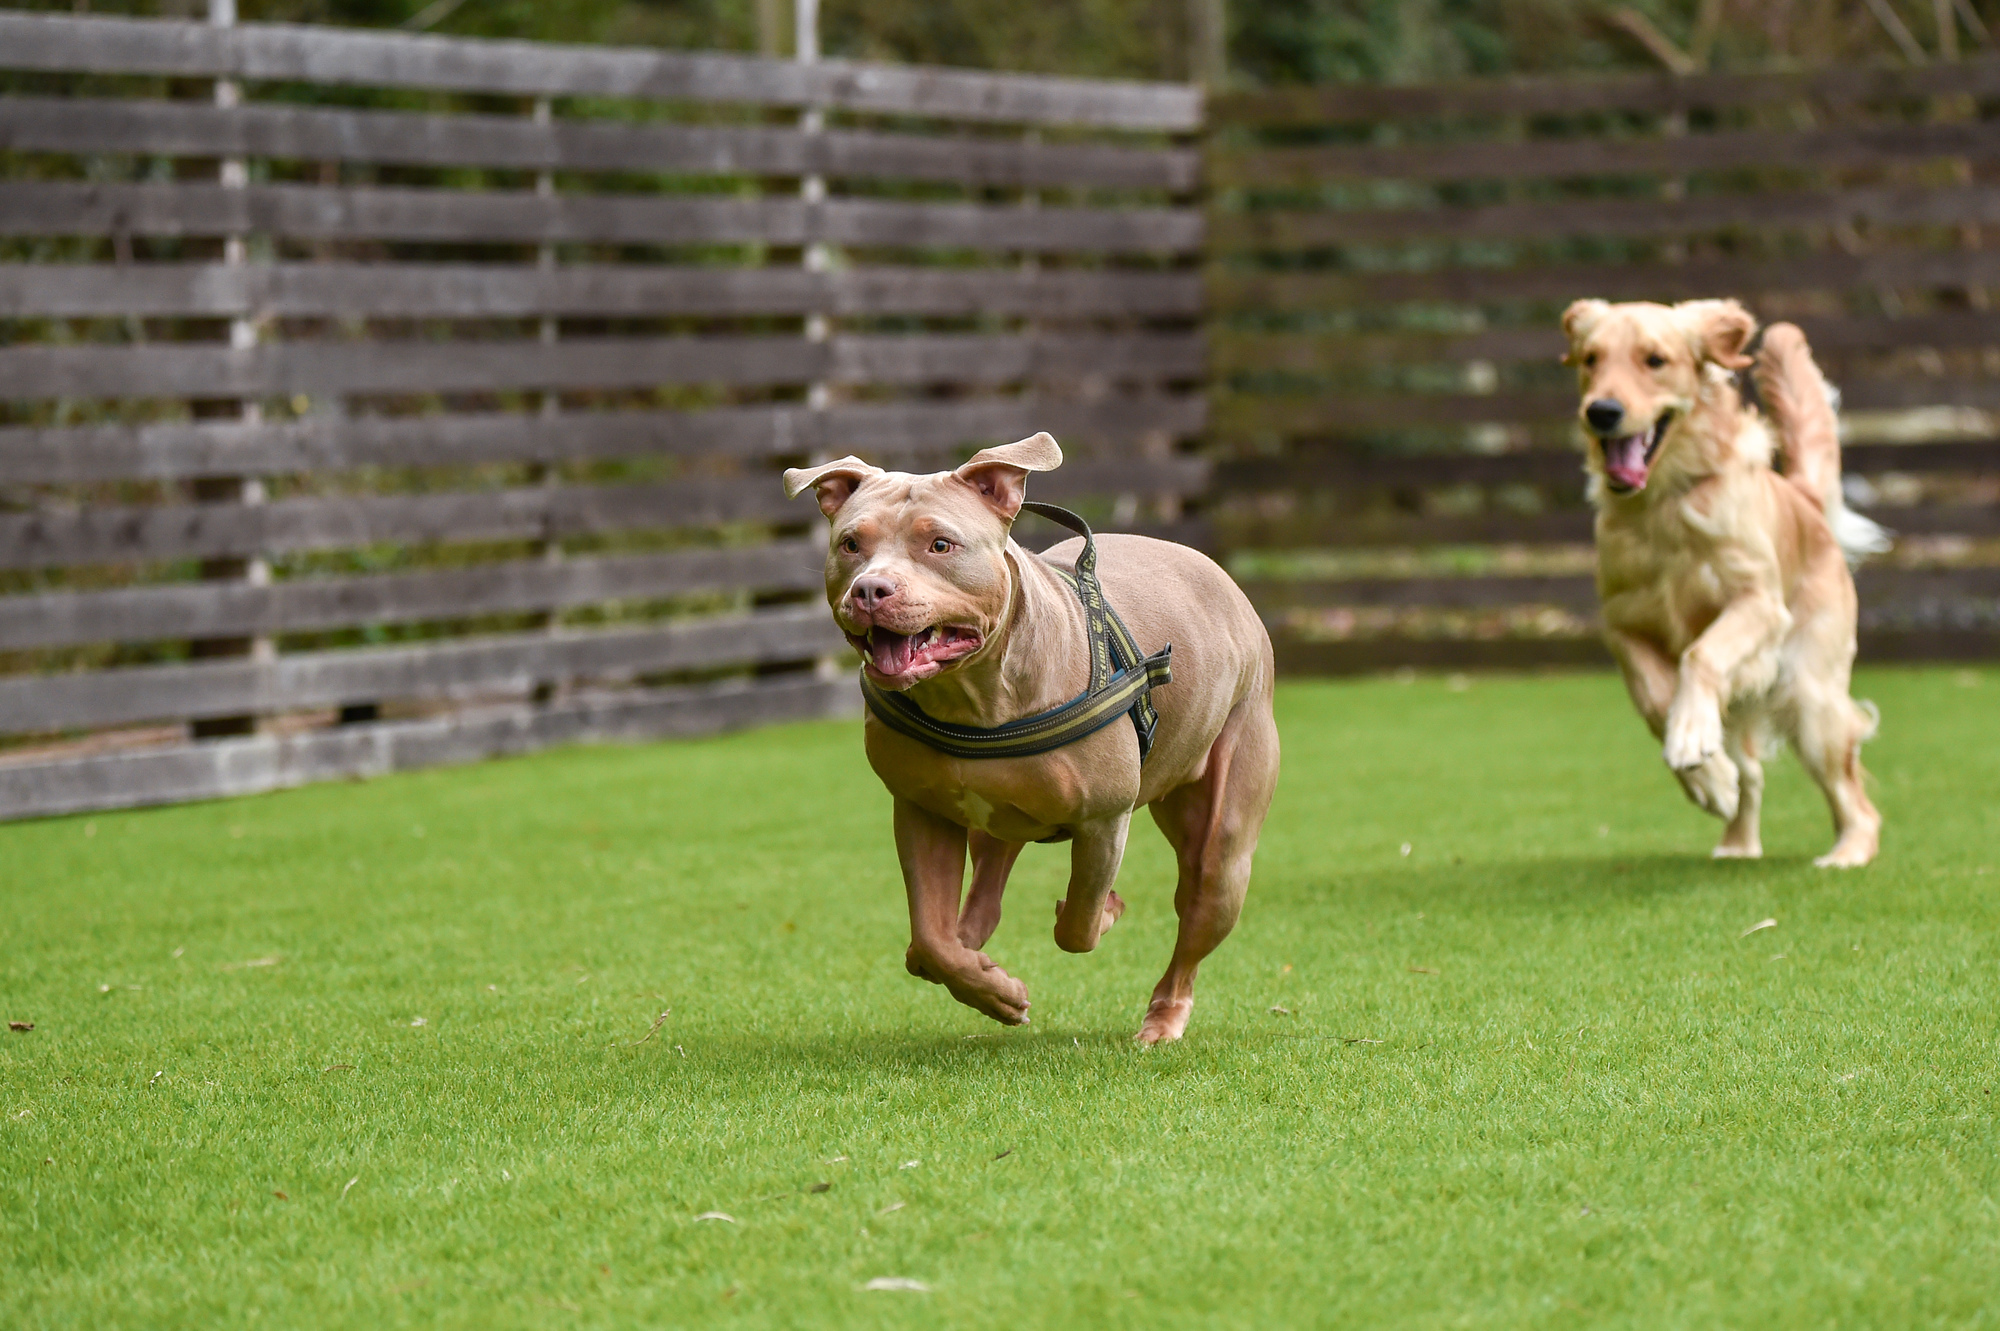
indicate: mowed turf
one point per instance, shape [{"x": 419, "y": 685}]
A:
[{"x": 1491, "y": 1046}]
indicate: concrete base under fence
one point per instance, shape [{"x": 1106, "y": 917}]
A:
[{"x": 213, "y": 770}]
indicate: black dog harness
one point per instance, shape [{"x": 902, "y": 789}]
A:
[{"x": 1121, "y": 681}]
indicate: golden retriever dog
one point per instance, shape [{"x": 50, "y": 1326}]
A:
[{"x": 1724, "y": 579}]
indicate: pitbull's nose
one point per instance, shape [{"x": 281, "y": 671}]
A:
[
  {"x": 870, "y": 591},
  {"x": 1604, "y": 414}
]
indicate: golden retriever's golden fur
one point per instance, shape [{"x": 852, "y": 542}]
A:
[{"x": 1725, "y": 585}]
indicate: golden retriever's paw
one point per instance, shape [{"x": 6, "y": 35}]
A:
[
  {"x": 1850, "y": 852},
  {"x": 1694, "y": 734},
  {"x": 1712, "y": 786},
  {"x": 1733, "y": 851},
  {"x": 1166, "y": 1019}
]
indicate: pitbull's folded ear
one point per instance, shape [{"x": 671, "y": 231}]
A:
[
  {"x": 1000, "y": 475},
  {"x": 832, "y": 481}
]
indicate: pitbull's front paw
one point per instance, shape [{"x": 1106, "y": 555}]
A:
[
  {"x": 1694, "y": 732},
  {"x": 974, "y": 980},
  {"x": 1071, "y": 938},
  {"x": 1166, "y": 1019}
]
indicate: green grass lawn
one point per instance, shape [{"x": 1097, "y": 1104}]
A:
[{"x": 376, "y": 1054}]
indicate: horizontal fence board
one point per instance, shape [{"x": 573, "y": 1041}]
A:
[
  {"x": 414, "y": 366},
  {"x": 1564, "y": 526},
  {"x": 1233, "y": 291},
  {"x": 1885, "y": 588},
  {"x": 322, "y": 212},
  {"x": 386, "y": 290},
  {"x": 1233, "y": 351},
  {"x": 1568, "y": 96},
  {"x": 1848, "y": 147},
  {"x": 218, "y": 769},
  {"x": 289, "y": 53},
  {"x": 1283, "y": 229},
  {"x": 226, "y": 609},
  {"x": 189, "y": 129},
  {"x": 460, "y": 667},
  {"x": 174, "y": 451},
  {"x": 1304, "y": 656},
  {"x": 1334, "y": 468},
  {"x": 149, "y": 533}
]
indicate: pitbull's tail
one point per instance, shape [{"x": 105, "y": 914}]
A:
[{"x": 1805, "y": 408}]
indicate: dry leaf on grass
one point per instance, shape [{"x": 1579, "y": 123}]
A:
[
  {"x": 1004, "y": 1154},
  {"x": 279, "y": 1195},
  {"x": 1281, "y": 1009},
  {"x": 903, "y": 1283},
  {"x": 892, "y": 1206},
  {"x": 156, "y": 1077},
  {"x": 336, "y": 1067},
  {"x": 1423, "y": 970},
  {"x": 654, "y": 1029},
  {"x": 20, "y": 1025},
  {"x": 820, "y": 1187},
  {"x": 716, "y": 1215},
  {"x": 909, "y": 1164},
  {"x": 1761, "y": 924},
  {"x": 1357, "y": 1039},
  {"x": 349, "y": 1188},
  {"x": 246, "y": 965}
]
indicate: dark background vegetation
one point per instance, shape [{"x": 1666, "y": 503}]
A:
[{"x": 1269, "y": 41}]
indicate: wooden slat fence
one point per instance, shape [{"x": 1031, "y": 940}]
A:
[
  {"x": 372, "y": 400},
  {"x": 1397, "y": 478}
]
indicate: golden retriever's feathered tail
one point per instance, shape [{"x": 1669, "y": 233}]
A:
[{"x": 1803, "y": 407}]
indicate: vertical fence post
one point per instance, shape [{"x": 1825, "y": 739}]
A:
[
  {"x": 551, "y": 401},
  {"x": 816, "y": 258},
  {"x": 233, "y": 173}
]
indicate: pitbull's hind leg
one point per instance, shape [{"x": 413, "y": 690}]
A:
[
  {"x": 1212, "y": 824},
  {"x": 992, "y": 860}
]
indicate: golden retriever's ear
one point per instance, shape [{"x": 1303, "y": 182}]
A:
[
  {"x": 1720, "y": 329},
  {"x": 832, "y": 482},
  {"x": 1000, "y": 475},
  {"x": 1578, "y": 320}
]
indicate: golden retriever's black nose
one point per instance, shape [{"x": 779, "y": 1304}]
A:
[
  {"x": 1604, "y": 414},
  {"x": 871, "y": 591}
]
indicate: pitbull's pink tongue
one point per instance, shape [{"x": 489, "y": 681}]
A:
[
  {"x": 891, "y": 651},
  {"x": 1625, "y": 461}
]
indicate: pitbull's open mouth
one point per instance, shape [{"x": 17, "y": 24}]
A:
[
  {"x": 902, "y": 659},
  {"x": 1628, "y": 458}
]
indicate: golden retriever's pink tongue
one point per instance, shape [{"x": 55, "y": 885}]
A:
[{"x": 1625, "y": 461}]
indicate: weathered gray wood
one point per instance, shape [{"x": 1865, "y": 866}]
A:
[
  {"x": 283, "y": 369},
  {"x": 66, "y": 208},
  {"x": 384, "y": 290},
  {"x": 458, "y": 668},
  {"x": 1280, "y": 228},
  {"x": 1236, "y": 289},
  {"x": 1577, "y": 593},
  {"x": 288, "y": 53},
  {"x": 176, "y": 451},
  {"x": 262, "y": 763},
  {"x": 1337, "y": 468},
  {"x": 115, "y": 534},
  {"x": 1850, "y": 146},
  {"x": 190, "y": 129},
  {"x": 147, "y": 533},
  {"x": 1839, "y": 86},
  {"x": 236, "y": 610}
]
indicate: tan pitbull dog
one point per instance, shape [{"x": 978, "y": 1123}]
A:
[
  {"x": 1724, "y": 580},
  {"x": 929, "y": 586}
]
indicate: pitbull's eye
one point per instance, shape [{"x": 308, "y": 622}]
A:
[
  {"x": 940, "y": 546},
  {"x": 1655, "y": 361},
  {"x": 850, "y": 545},
  {"x": 1590, "y": 361}
]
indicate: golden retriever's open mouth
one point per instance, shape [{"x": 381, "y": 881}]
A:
[
  {"x": 902, "y": 659},
  {"x": 1628, "y": 458}
]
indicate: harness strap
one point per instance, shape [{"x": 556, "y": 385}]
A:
[{"x": 1121, "y": 680}]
